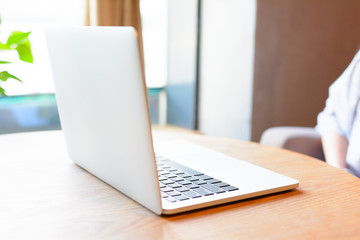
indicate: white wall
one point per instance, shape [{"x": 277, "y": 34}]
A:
[{"x": 226, "y": 70}]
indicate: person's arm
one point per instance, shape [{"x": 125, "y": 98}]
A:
[
  {"x": 335, "y": 148},
  {"x": 335, "y": 122}
]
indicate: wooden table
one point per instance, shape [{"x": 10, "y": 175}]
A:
[{"x": 45, "y": 196}]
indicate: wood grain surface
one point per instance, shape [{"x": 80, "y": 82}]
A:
[{"x": 45, "y": 196}]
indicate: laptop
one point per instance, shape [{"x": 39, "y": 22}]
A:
[{"x": 102, "y": 102}]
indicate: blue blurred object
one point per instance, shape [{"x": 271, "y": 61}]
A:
[
  {"x": 28, "y": 113},
  {"x": 39, "y": 112}
]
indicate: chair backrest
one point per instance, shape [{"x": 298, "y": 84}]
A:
[{"x": 303, "y": 140}]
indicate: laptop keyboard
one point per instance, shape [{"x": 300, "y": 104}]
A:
[{"x": 180, "y": 183}]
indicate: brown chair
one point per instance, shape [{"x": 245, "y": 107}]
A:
[{"x": 303, "y": 140}]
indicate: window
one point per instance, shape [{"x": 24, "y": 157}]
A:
[
  {"x": 155, "y": 24},
  {"x": 24, "y": 15}
]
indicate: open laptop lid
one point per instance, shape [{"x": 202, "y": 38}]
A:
[{"x": 102, "y": 102}]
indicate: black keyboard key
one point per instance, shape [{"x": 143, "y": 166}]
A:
[
  {"x": 204, "y": 177},
  {"x": 177, "y": 179},
  {"x": 167, "y": 182},
  {"x": 161, "y": 178},
  {"x": 172, "y": 169},
  {"x": 184, "y": 182},
  {"x": 230, "y": 188},
  {"x": 181, "y": 198},
  {"x": 174, "y": 185},
  {"x": 203, "y": 191},
  {"x": 182, "y": 189},
  {"x": 173, "y": 193},
  {"x": 192, "y": 179},
  {"x": 221, "y": 184},
  {"x": 170, "y": 199},
  {"x": 198, "y": 174},
  {"x": 192, "y": 194},
  {"x": 185, "y": 175},
  {"x": 171, "y": 175},
  {"x": 166, "y": 189},
  {"x": 212, "y": 188},
  {"x": 212, "y": 181},
  {"x": 192, "y": 186},
  {"x": 178, "y": 172},
  {"x": 199, "y": 182}
]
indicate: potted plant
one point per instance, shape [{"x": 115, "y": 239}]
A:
[{"x": 16, "y": 41}]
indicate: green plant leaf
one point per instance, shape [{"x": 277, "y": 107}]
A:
[
  {"x": 20, "y": 42},
  {"x": 24, "y": 51},
  {"x": 17, "y": 38},
  {"x": 4, "y": 47},
  {"x": 2, "y": 92},
  {"x": 5, "y": 75}
]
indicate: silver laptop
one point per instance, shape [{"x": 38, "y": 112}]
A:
[{"x": 102, "y": 102}]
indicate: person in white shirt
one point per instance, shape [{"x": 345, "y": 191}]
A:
[{"x": 339, "y": 122}]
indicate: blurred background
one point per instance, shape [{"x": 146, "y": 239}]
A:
[{"x": 223, "y": 67}]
